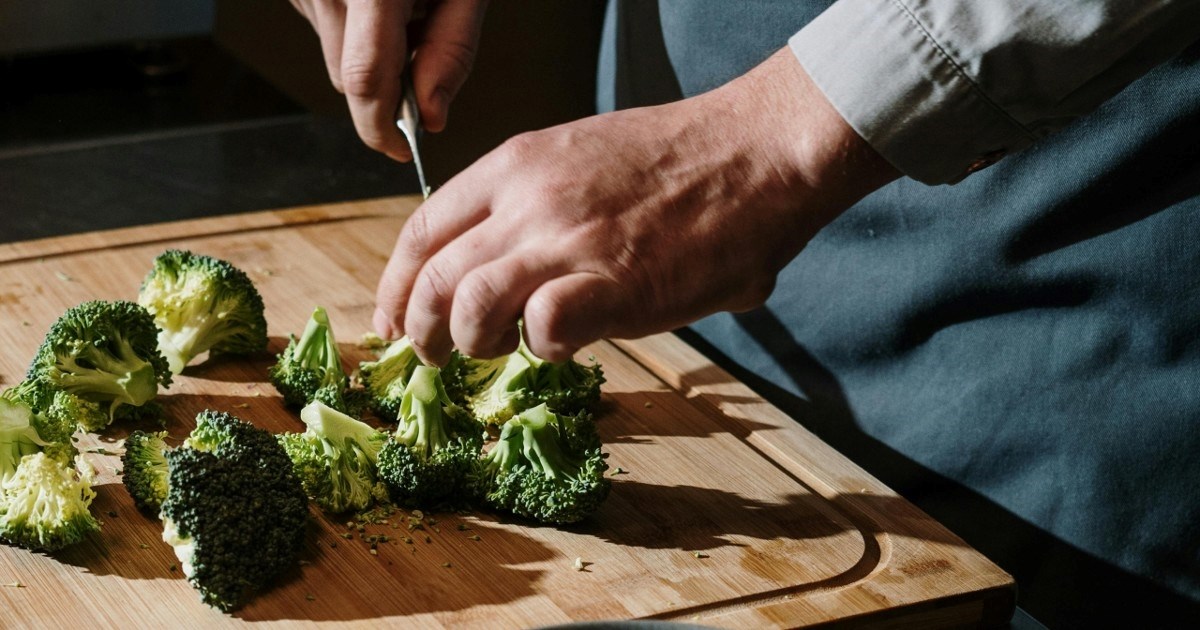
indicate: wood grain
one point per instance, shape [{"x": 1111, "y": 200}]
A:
[{"x": 729, "y": 513}]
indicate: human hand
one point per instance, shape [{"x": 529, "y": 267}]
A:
[
  {"x": 366, "y": 43},
  {"x": 626, "y": 224}
]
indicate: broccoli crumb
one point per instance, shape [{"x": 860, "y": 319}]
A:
[
  {"x": 310, "y": 597},
  {"x": 648, "y": 405},
  {"x": 112, "y": 514},
  {"x": 64, "y": 277},
  {"x": 16, "y": 584},
  {"x": 428, "y": 539},
  {"x": 579, "y": 564},
  {"x": 699, "y": 555},
  {"x": 476, "y": 538},
  {"x": 619, "y": 471},
  {"x": 143, "y": 546},
  {"x": 462, "y": 527},
  {"x": 173, "y": 568},
  {"x": 374, "y": 552},
  {"x": 447, "y": 565}
]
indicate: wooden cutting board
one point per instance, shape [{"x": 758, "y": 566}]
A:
[{"x": 728, "y": 512}]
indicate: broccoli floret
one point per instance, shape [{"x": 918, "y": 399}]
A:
[
  {"x": 144, "y": 469},
  {"x": 386, "y": 378},
  {"x": 44, "y": 503},
  {"x": 335, "y": 458},
  {"x": 433, "y": 450},
  {"x": 202, "y": 304},
  {"x": 351, "y": 401},
  {"x": 26, "y": 429},
  {"x": 104, "y": 353},
  {"x": 309, "y": 363},
  {"x": 566, "y": 388},
  {"x": 234, "y": 513},
  {"x": 544, "y": 467},
  {"x": 496, "y": 389}
]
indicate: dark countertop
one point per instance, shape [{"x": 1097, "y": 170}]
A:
[{"x": 190, "y": 173}]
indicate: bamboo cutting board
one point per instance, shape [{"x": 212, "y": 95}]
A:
[{"x": 727, "y": 512}]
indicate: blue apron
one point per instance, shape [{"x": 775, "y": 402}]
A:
[{"x": 1017, "y": 354}]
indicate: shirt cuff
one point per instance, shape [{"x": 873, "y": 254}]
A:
[{"x": 901, "y": 91}]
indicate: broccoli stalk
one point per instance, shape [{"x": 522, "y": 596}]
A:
[
  {"x": 144, "y": 469},
  {"x": 234, "y": 512},
  {"x": 309, "y": 363},
  {"x": 544, "y": 467},
  {"x": 105, "y": 353},
  {"x": 434, "y": 447},
  {"x": 45, "y": 504},
  {"x": 202, "y": 304},
  {"x": 335, "y": 458},
  {"x": 387, "y": 377}
]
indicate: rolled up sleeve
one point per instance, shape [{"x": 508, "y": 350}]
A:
[{"x": 943, "y": 88}]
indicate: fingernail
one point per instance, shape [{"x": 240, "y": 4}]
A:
[{"x": 383, "y": 325}]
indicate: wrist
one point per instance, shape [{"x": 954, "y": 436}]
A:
[{"x": 821, "y": 164}]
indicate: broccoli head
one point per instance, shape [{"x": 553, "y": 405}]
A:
[
  {"x": 309, "y": 363},
  {"x": 202, "y": 304},
  {"x": 44, "y": 503},
  {"x": 335, "y": 458},
  {"x": 435, "y": 446},
  {"x": 566, "y": 388},
  {"x": 104, "y": 353},
  {"x": 496, "y": 389},
  {"x": 144, "y": 469},
  {"x": 544, "y": 467},
  {"x": 386, "y": 378},
  {"x": 234, "y": 513},
  {"x": 25, "y": 430}
]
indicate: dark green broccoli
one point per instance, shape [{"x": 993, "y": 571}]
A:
[
  {"x": 566, "y": 388},
  {"x": 234, "y": 511},
  {"x": 201, "y": 303},
  {"x": 144, "y": 469},
  {"x": 309, "y": 363},
  {"x": 335, "y": 458},
  {"x": 544, "y": 467},
  {"x": 496, "y": 389},
  {"x": 44, "y": 503},
  {"x": 44, "y": 493},
  {"x": 104, "y": 353},
  {"x": 433, "y": 450},
  {"x": 386, "y": 377}
]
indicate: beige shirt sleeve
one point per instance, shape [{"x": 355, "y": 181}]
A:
[{"x": 942, "y": 88}]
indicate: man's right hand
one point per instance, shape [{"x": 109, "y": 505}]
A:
[{"x": 365, "y": 43}]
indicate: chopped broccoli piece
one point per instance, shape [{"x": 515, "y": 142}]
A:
[
  {"x": 435, "y": 446},
  {"x": 202, "y": 304},
  {"x": 34, "y": 405},
  {"x": 309, "y": 363},
  {"x": 496, "y": 389},
  {"x": 386, "y": 378},
  {"x": 44, "y": 503},
  {"x": 104, "y": 353},
  {"x": 335, "y": 458},
  {"x": 544, "y": 467},
  {"x": 566, "y": 388},
  {"x": 144, "y": 469},
  {"x": 234, "y": 513}
]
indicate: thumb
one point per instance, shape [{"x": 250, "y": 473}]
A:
[{"x": 445, "y": 56}]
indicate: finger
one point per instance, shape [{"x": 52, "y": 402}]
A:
[
  {"x": 445, "y": 56},
  {"x": 373, "y": 56},
  {"x": 567, "y": 313},
  {"x": 329, "y": 20},
  {"x": 490, "y": 299},
  {"x": 446, "y": 215},
  {"x": 427, "y": 319}
]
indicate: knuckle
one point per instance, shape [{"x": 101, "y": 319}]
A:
[
  {"x": 436, "y": 283},
  {"x": 416, "y": 237},
  {"x": 460, "y": 56},
  {"x": 362, "y": 79},
  {"x": 547, "y": 320},
  {"x": 475, "y": 298}
]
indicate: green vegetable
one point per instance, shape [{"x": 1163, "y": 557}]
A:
[
  {"x": 202, "y": 304},
  {"x": 435, "y": 446},
  {"x": 44, "y": 498},
  {"x": 104, "y": 353},
  {"x": 309, "y": 363},
  {"x": 144, "y": 469},
  {"x": 386, "y": 378},
  {"x": 44, "y": 503},
  {"x": 335, "y": 458},
  {"x": 234, "y": 511},
  {"x": 544, "y": 467},
  {"x": 496, "y": 389}
]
